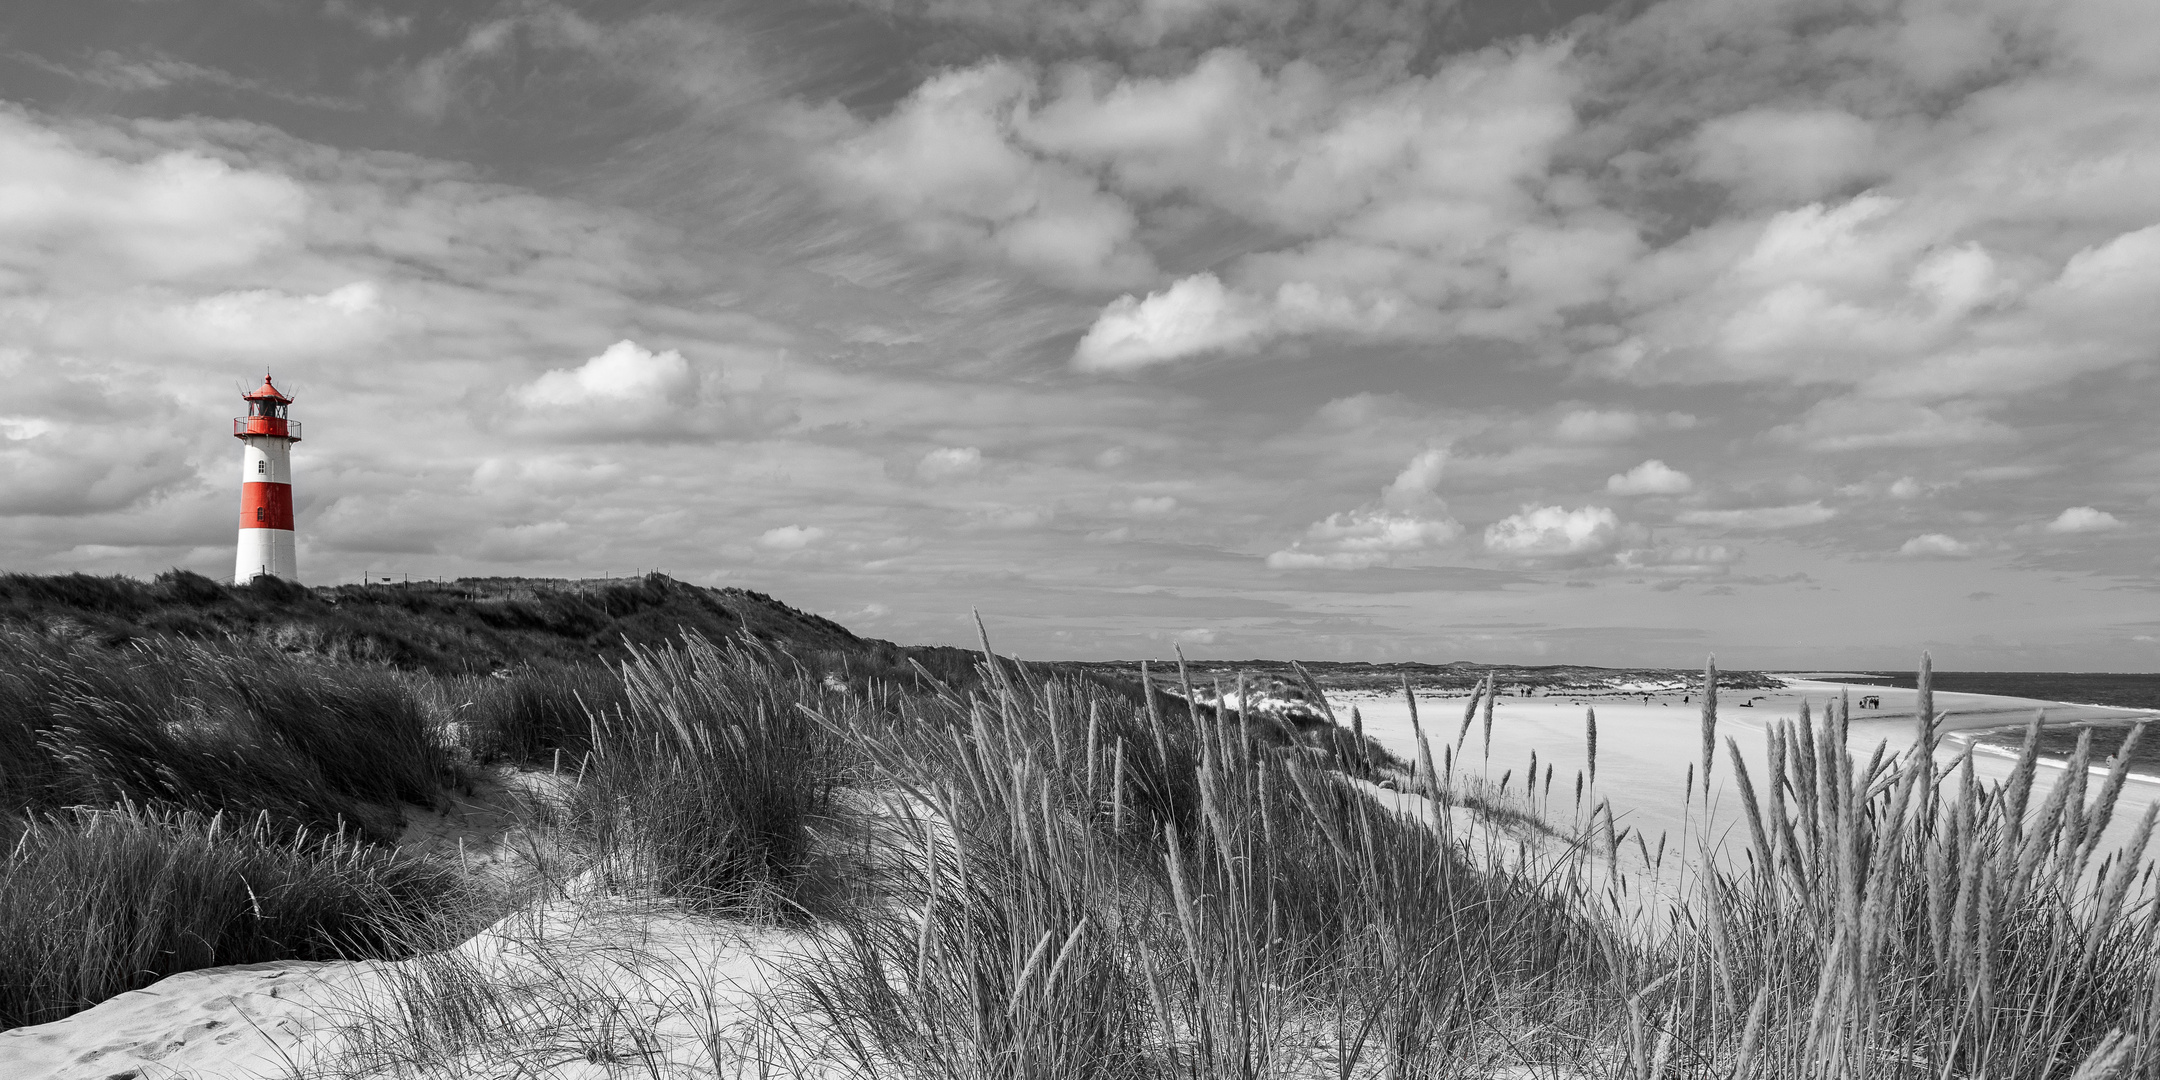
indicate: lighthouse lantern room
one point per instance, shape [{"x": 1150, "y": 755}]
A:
[{"x": 266, "y": 508}]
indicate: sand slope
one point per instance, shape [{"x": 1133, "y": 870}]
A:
[
  {"x": 584, "y": 987},
  {"x": 579, "y": 985}
]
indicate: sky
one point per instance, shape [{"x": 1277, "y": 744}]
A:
[{"x": 1807, "y": 333}]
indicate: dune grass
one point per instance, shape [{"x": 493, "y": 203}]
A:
[
  {"x": 95, "y": 903},
  {"x": 1896, "y": 918},
  {"x": 1028, "y": 873},
  {"x": 1887, "y": 917},
  {"x": 235, "y": 729},
  {"x": 168, "y": 806},
  {"x": 1099, "y": 887},
  {"x": 707, "y": 784}
]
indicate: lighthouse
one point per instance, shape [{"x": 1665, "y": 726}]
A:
[{"x": 266, "y": 522}]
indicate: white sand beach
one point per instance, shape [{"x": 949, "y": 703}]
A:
[{"x": 1647, "y": 742}]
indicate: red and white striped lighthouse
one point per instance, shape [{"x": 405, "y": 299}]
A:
[{"x": 266, "y": 521}]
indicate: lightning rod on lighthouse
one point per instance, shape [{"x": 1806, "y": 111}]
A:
[{"x": 266, "y": 517}]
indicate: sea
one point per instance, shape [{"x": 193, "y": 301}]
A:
[{"x": 2078, "y": 687}]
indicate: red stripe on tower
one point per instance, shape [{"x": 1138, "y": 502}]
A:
[{"x": 265, "y": 506}]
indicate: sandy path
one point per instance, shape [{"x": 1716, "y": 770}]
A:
[{"x": 1646, "y": 747}]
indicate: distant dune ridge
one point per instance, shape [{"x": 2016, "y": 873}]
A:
[
  {"x": 463, "y": 626},
  {"x": 636, "y": 828}
]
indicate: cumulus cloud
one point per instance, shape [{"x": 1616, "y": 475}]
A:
[
  {"x": 1422, "y": 207},
  {"x": 1761, "y": 517},
  {"x": 1553, "y": 533},
  {"x": 949, "y": 165},
  {"x": 791, "y": 538},
  {"x": 1934, "y": 546},
  {"x": 949, "y": 462},
  {"x": 1652, "y": 477},
  {"x": 1418, "y": 201},
  {"x": 629, "y": 393},
  {"x": 623, "y": 376},
  {"x": 1409, "y": 519},
  {"x": 2083, "y": 519},
  {"x": 1358, "y": 539},
  {"x": 1992, "y": 187},
  {"x": 1194, "y": 315}
]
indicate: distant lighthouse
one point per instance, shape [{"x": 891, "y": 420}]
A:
[{"x": 266, "y": 521}]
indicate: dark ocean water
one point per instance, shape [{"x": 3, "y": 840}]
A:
[{"x": 2082, "y": 687}]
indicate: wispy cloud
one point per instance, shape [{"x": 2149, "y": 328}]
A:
[{"x": 1760, "y": 517}]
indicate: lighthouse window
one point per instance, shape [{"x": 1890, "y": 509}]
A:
[
  {"x": 262, "y": 513},
  {"x": 262, "y": 466}
]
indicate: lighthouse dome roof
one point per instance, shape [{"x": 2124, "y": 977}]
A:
[{"x": 268, "y": 391}]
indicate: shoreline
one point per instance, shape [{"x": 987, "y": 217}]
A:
[{"x": 1972, "y": 740}]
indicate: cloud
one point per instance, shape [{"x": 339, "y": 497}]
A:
[
  {"x": 179, "y": 213},
  {"x": 624, "y": 377},
  {"x": 1652, "y": 477},
  {"x": 1357, "y": 539},
  {"x": 948, "y": 165},
  {"x": 1776, "y": 155},
  {"x": 1412, "y": 208},
  {"x": 1418, "y": 201},
  {"x": 1014, "y": 518},
  {"x": 1552, "y": 533},
  {"x": 1194, "y": 315},
  {"x": 1762, "y": 517},
  {"x": 1934, "y": 546},
  {"x": 1153, "y": 505},
  {"x": 1415, "y": 487},
  {"x": 949, "y": 462},
  {"x": 1083, "y": 22},
  {"x": 374, "y": 22},
  {"x": 629, "y": 393},
  {"x": 1931, "y": 235},
  {"x": 274, "y": 324},
  {"x": 1409, "y": 519},
  {"x": 74, "y": 469},
  {"x": 1616, "y": 425},
  {"x": 2083, "y": 519},
  {"x": 1852, "y": 423},
  {"x": 791, "y": 538},
  {"x": 1686, "y": 560}
]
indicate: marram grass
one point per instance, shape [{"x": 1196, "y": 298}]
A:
[
  {"x": 1886, "y": 916},
  {"x": 1059, "y": 877}
]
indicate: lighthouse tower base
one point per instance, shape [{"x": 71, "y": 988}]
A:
[{"x": 266, "y": 552}]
